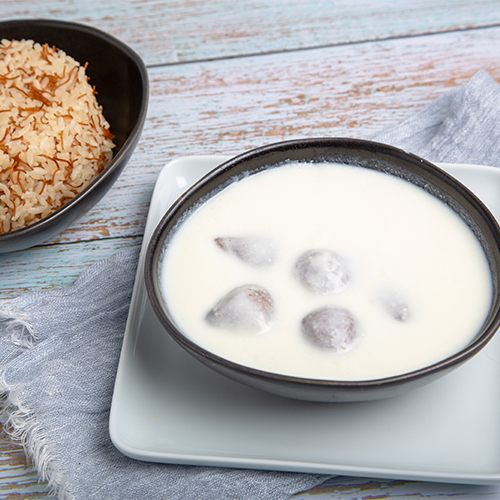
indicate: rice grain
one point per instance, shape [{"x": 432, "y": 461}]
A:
[{"x": 54, "y": 139}]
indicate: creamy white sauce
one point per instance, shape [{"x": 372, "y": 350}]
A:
[{"x": 398, "y": 241}]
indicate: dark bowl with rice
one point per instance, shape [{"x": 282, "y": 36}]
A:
[{"x": 120, "y": 81}]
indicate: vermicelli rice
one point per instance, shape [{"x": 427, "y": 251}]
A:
[{"x": 54, "y": 139}]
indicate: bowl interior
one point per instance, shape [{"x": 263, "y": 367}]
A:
[{"x": 352, "y": 152}]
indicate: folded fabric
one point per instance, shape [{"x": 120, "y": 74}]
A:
[
  {"x": 59, "y": 349},
  {"x": 59, "y": 354},
  {"x": 462, "y": 126}
]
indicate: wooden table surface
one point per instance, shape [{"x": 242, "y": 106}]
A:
[{"x": 227, "y": 76}]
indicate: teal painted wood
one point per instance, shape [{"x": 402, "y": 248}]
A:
[
  {"x": 54, "y": 266},
  {"x": 229, "y": 106},
  {"x": 347, "y": 488},
  {"x": 17, "y": 478},
  {"x": 334, "y": 68},
  {"x": 177, "y": 30}
]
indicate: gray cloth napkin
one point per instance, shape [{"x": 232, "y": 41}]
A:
[
  {"x": 59, "y": 349},
  {"x": 462, "y": 126}
]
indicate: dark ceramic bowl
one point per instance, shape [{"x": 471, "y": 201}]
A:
[
  {"x": 369, "y": 155},
  {"x": 121, "y": 81}
]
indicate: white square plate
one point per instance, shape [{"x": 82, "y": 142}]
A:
[{"x": 167, "y": 407}]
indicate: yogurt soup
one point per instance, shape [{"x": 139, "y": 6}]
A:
[{"x": 326, "y": 271}]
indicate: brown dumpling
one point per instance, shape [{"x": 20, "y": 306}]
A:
[
  {"x": 396, "y": 307},
  {"x": 322, "y": 271},
  {"x": 248, "y": 308},
  {"x": 252, "y": 250},
  {"x": 330, "y": 327}
]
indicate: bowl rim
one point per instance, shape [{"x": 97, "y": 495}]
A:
[
  {"x": 128, "y": 145},
  {"x": 488, "y": 329}
]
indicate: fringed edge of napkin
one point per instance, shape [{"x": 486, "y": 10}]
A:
[
  {"x": 22, "y": 332},
  {"x": 19, "y": 422}
]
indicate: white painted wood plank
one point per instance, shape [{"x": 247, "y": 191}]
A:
[
  {"x": 177, "y": 30},
  {"x": 18, "y": 479},
  {"x": 54, "y": 266},
  {"x": 348, "y": 488},
  {"x": 226, "y": 107}
]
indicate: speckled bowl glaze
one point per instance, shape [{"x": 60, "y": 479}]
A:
[
  {"x": 369, "y": 155},
  {"x": 121, "y": 81}
]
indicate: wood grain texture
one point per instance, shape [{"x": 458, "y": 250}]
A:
[
  {"x": 228, "y": 76},
  {"x": 55, "y": 266},
  {"x": 165, "y": 32},
  {"x": 18, "y": 480},
  {"x": 229, "y": 106}
]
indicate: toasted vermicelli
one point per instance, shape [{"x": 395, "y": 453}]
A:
[{"x": 54, "y": 139}]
